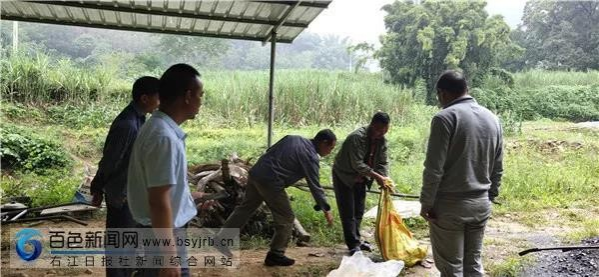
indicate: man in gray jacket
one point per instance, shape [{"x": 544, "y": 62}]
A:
[
  {"x": 462, "y": 175},
  {"x": 362, "y": 159}
]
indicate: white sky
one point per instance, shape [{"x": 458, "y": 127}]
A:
[{"x": 362, "y": 20}]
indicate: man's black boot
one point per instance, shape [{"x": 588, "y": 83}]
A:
[{"x": 273, "y": 259}]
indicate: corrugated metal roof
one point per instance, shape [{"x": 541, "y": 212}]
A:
[{"x": 243, "y": 19}]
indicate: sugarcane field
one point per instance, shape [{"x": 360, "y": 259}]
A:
[{"x": 332, "y": 138}]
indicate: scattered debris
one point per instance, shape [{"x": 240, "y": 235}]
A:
[
  {"x": 11, "y": 215},
  {"x": 549, "y": 146},
  {"x": 224, "y": 184}
]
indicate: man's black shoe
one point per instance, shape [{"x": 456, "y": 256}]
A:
[
  {"x": 354, "y": 250},
  {"x": 277, "y": 260},
  {"x": 365, "y": 246},
  {"x": 223, "y": 249}
]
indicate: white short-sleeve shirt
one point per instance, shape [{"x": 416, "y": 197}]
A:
[{"x": 158, "y": 159}]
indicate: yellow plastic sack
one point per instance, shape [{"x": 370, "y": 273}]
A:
[{"x": 394, "y": 239}]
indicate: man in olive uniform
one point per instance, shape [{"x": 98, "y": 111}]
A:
[{"x": 362, "y": 159}]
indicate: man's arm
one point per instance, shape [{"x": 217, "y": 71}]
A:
[
  {"x": 497, "y": 172},
  {"x": 118, "y": 141},
  {"x": 160, "y": 206},
  {"x": 162, "y": 222},
  {"x": 160, "y": 169},
  {"x": 357, "y": 153},
  {"x": 436, "y": 154},
  {"x": 356, "y": 156},
  {"x": 383, "y": 166},
  {"x": 311, "y": 168}
]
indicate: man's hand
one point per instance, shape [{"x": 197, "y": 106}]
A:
[
  {"x": 381, "y": 181},
  {"x": 97, "y": 198},
  {"x": 197, "y": 194},
  {"x": 427, "y": 214},
  {"x": 495, "y": 201},
  {"x": 170, "y": 272},
  {"x": 329, "y": 217},
  {"x": 206, "y": 205}
]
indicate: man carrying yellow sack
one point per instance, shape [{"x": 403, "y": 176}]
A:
[
  {"x": 362, "y": 159},
  {"x": 461, "y": 178}
]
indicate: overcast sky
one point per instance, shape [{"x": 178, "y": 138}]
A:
[{"x": 362, "y": 20}]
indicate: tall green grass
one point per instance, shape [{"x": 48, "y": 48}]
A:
[
  {"x": 36, "y": 77},
  {"x": 302, "y": 97},
  {"x": 538, "y": 78},
  {"x": 552, "y": 167}
]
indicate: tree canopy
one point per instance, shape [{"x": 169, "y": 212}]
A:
[
  {"x": 425, "y": 39},
  {"x": 560, "y": 35}
]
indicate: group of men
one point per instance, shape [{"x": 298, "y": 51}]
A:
[{"x": 143, "y": 172}]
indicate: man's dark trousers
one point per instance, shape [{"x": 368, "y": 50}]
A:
[
  {"x": 118, "y": 217},
  {"x": 351, "y": 200}
]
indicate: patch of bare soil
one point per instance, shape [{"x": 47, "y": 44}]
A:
[
  {"x": 545, "y": 146},
  {"x": 310, "y": 261}
]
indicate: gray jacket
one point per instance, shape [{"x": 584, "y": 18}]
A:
[{"x": 464, "y": 158}]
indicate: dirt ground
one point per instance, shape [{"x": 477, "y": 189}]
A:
[
  {"x": 310, "y": 261},
  {"x": 504, "y": 238}
]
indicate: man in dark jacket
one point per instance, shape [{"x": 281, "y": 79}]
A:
[
  {"x": 110, "y": 181},
  {"x": 362, "y": 159},
  {"x": 289, "y": 160}
]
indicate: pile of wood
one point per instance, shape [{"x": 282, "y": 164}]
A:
[{"x": 224, "y": 187}]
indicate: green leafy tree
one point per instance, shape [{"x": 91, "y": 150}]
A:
[
  {"x": 361, "y": 53},
  {"x": 560, "y": 34},
  {"x": 425, "y": 39}
]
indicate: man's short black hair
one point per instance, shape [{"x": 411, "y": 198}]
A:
[
  {"x": 145, "y": 85},
  {"x": 452, "y": 82},
  {"x": 176, "y": 81},
  {"x": 380, "y": 117},
  {"x": 325, "y": 135}
]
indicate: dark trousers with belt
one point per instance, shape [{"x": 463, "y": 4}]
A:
[
  {"x": 118, "y": 217},
  {"x": 351, "y": 200}
]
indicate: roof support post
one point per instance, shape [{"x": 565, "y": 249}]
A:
[
  {"x": 15, "y": 36},
  {"x": 271, "y": 84}
]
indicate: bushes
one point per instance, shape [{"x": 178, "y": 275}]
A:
[
  {"x": 39, "y": 168},
  {"x": 573, "y": 103},
  {"x": 26, "y": 151},
  {"x": 52, "y": 187},
  {"x": 77, "y": 117}
]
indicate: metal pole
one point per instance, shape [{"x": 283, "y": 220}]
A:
[
  {"x": 369, "y": 191},
  {"x": 271, "y": 84},
  {"x": 15, "y": 36}
]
